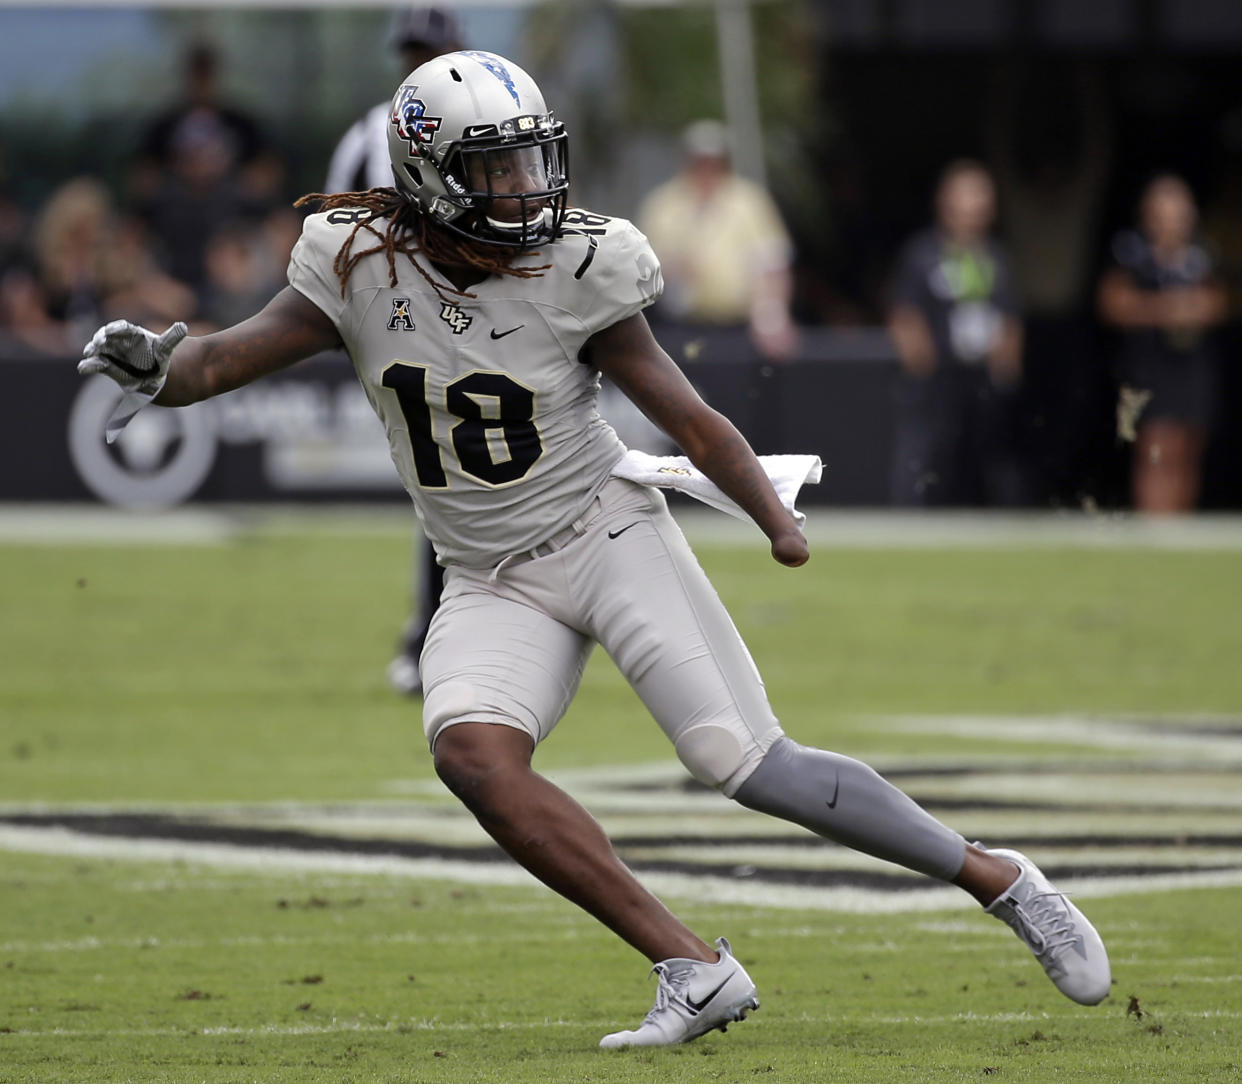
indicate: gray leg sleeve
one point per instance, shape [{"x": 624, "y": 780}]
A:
[{"x": 843, "y": 800}]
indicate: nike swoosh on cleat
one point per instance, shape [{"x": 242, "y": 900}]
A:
[
  {"x": 501, "y": 334},
  {"x": 831, "y": 803},
  {"x": 618, "y": 534},
  {"x": 697, "y": 1006}
]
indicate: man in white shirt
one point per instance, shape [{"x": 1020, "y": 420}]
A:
[{"x": 723, "y": 245}]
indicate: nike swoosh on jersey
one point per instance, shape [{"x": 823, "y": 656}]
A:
[
  {"x": 697, "y": 1007},
  {"x": 501, "y": 334},
  {"x": 618, "y": 534}
]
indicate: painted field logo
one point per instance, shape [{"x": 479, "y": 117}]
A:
[{"x": 1143, "y": 806}]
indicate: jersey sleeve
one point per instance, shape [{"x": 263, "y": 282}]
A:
[
  {"x": 310, "y": 266},
  {"x": 619, "y": 274}
]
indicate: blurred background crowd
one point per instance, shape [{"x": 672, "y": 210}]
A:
[{"x": 1028, "y": 212}]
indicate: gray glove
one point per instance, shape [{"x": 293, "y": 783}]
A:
[{"x": 137, "y": 359}]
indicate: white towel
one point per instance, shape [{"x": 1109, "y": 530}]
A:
[{"x": 788, "y": 473}]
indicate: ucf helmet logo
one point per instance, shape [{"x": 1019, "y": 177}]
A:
[{"x": 409, "y": 117}]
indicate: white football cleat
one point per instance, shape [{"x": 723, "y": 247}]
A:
[
  {"x": 692, "y": 997},
  {"x": 1059, "y": 934}
]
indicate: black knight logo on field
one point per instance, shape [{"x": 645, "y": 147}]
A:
[
  {"x": 412, "y": 123},
  {"x": 455, "y": 318},
  {"x": 400, "y": 320}
]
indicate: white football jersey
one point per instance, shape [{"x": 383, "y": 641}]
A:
[{"x": 491, "y": 417}]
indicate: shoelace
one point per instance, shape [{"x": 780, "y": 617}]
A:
[
  {"x": 669, "y": 987},
  {"x": 1046, "y": 920}
]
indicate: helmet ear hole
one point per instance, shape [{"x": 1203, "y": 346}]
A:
[{"x": 416, "y": 178}]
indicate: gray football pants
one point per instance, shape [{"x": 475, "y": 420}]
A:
[{"x": 509, "y": 645}]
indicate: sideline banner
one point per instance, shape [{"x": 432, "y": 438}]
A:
[
  {"x": 308, "y": 434},
  {"x": 304, "y": 434}
]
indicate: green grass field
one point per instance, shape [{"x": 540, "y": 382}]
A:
[{"x": 174, "y": 713}]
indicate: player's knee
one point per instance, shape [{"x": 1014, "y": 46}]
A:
[
  {"x": 467, "y": 763},
  {"x": 712, "y": 754},
  {"x": 454, "y": 754}
]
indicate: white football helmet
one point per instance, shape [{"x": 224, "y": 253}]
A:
[{"x": 474, "y": 146}]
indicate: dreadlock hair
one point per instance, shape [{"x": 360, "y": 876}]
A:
[{"x": 409, "y": 232}]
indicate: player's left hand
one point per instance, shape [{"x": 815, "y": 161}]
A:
[{"x": 790, "y": 548}]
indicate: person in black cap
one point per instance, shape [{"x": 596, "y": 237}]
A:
[{"x": 361, "y": 161}]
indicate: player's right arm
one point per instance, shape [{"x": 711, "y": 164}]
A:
[
  {"x": 629, "y": 355},
  {"x": 287, "y": 330}
]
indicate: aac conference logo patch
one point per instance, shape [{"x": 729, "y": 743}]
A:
[{"x": 401, "y": 320}]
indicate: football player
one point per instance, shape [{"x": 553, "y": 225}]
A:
[{"x": 479, "y": 311}]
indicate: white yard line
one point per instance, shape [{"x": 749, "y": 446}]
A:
[
  {"x": 71, "y": 524},
  {"x": 89, "y": 525}
]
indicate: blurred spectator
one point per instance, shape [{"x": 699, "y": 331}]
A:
[
  {"x": 88, "y": 265},
  {"x": 94, "y": 266},
  {"x": 237, "y": 281},
  {"x": 1164, "y": 298},
  {"x": 954, "y": 322},
  {"x": 200, "y": 163},
  {"x": 361, "y": 160},
  {"x": 724, "y": 249},
  {"x": 136, "y": 288},
  {"x": 71, "y": 239},
  {"x": 280, "y": 230},
  {"x": 26, "y": 327},
  {"x": 245, "y": 265}
]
